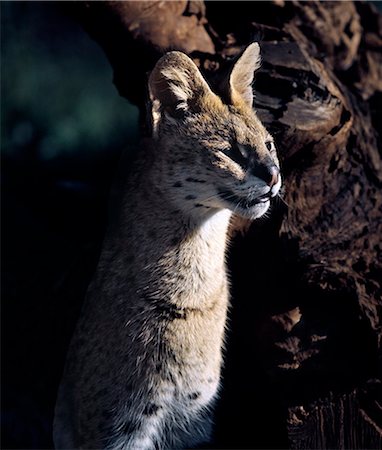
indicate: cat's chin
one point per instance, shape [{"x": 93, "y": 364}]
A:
[{"x": 253, "y": 212}]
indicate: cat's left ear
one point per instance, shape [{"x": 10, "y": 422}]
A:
[
  {"x": 238, "y": 85},
  {"x": 178, "y": 85}
]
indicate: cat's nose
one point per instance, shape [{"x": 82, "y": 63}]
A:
[
  {"x": 267, "y": 172},
  {"x": 274, "y": 175}
]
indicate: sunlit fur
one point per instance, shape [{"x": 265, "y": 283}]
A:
[{"x": 143, "y": 368}]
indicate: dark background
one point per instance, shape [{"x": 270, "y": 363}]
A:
[{"x": 62, "y": 131}]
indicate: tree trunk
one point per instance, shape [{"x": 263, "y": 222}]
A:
[{"x": 303, "y": 359}]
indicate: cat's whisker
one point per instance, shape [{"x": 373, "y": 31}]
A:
[{"x": 282, "y": 200}]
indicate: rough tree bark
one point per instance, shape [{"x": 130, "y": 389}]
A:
[{"x": 303, "y": 364}]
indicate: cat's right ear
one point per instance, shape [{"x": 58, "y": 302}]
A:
[
  {"x": 176, "y": 85},
  {"x": 237, "y": 87}
]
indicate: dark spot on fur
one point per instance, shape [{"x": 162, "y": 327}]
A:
[
  {"x": 194, "y": 395},
  {"x": 190, "y": 197},
  {"x": 198, "y": 205},
  {"x": 195, "y": 180},
  {"x": 170, "y": 312},
  {"x": 177, "y": 184},
  {"x": 179, "y": 315},
  {"x": 169, "y": 377},
  {"x": 151, "y": 409},
  {"x": 172, "y": 356}
]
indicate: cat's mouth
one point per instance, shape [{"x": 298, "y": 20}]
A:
[{"x": 243, "y": 202}]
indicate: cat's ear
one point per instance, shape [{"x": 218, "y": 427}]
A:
[
  {"x": 238, "y": 85},
  {"x": 177, "y": 86}
]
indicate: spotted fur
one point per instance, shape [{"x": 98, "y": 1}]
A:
[{"x": 144, "y": 363}]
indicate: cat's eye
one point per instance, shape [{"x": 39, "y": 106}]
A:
[{"x": 270, "y": 146}]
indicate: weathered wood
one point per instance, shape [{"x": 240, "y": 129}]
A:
[
  {"x": 327, "y": 423},
  {"x": 134, "y": 34},
  {"x": 307, "y": 311}
]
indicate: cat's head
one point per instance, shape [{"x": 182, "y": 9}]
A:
[{"x": 218, "y": 153}]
